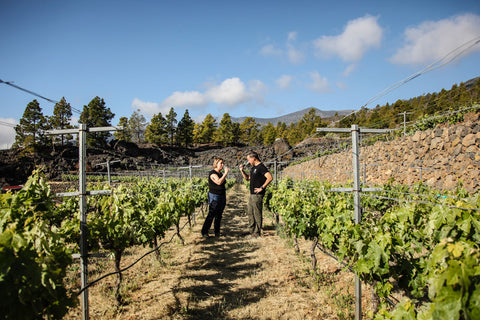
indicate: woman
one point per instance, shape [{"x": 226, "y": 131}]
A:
[{"x": 216, "y": 197}]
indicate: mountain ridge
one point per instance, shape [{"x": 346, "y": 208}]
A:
[{"x": 293, "y": 116}]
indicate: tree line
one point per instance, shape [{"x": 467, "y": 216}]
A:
[
  {"x": 167, "y": 130},
  {"x": 390, "y": 116},
  {"x": 161, "y": 130}
]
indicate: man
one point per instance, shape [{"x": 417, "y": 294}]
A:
[{"x": 259, "y": 178}]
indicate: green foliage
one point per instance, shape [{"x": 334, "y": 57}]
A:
[
  {"x": 29, "y": 132},
  {"x": 428, "y": 246},
  {"x": 205, "y": 131},
  {"x": 228, "y": 133},
  {"x": 156, "y": 131},
  {"x": 250, "y": 131},
  {"x": 185, "y": 130},
  {"x": 171, "y": 125},
  {"x": 33, "y": 255},
  {"x": 136, "y": 127},
  {"x": 135, "y": 213},
  {"x": 37, "y": 236},
  {"x": 269, "y": 134},
  {"x": 62, "y": 115},
  {"x": 426, "y": 111},
  {"x": 123, "y": 135},
  {"x": 96, "y": 114}
]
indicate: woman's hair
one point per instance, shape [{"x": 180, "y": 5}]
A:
[{"x": 216, "y": 160}]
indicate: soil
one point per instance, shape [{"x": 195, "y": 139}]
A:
[{"x": 228, "y": 277}]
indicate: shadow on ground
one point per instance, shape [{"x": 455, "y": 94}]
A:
[{"x": 219, "y": 282}]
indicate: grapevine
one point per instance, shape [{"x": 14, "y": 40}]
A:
[{"x": 415, "y": 248}]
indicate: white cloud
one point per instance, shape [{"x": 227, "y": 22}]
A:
[
  {"x": 292, "y": 36},
  {"x": 349, "y": 69},
  {"x": 432, "y": 40},
  {"x": 258, "y": 90},
  {"x": 291, "y": 53},
  {"x": 358, "y": 37},
  {"x": 342, "y": 85},
  {"x": 184, "y": 99},
  {"x": 294, "y": 56},
  {"x": 231, "y": 92},
  {"x": 149, "y": 108},
  {"x": 284, "y": 81},
  {"x": 319, "y": 83},
  {"x": 7, "y": 132},
  {"x": 270, "y": 50}
]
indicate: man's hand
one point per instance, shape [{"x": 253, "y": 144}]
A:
[{"x": 257, "y": 190}]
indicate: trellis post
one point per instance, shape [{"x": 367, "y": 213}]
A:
[
  {"x": 82, "y": 194},
  {"x": 355, "y": 131}
]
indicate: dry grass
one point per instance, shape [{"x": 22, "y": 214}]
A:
[{"x": 231, "y": 277}]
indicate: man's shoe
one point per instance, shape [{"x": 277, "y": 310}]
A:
[{"x": 217, "y": 234}]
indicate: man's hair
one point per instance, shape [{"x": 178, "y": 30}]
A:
[
  {"x": 216, "y": 160},
  {"x": 253, "y": 154}
]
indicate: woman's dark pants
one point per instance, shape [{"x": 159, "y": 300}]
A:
[{"x": 216, "y": 204}]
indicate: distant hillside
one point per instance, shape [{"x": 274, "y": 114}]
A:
[
  {"x": 294, "y": 116},
  {"x": 418, "y": 109}
]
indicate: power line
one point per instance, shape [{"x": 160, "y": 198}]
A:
[
  {"x": 36, "y": 94},
  {"x": 7, "y": 124},
  {"x": 28, "y": 91},
  {"x": 449, "y": 57}
]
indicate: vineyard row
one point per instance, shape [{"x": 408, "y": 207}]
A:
[{"x": 427, "y": 252}]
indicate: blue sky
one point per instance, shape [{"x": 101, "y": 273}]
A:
[{"x": 245, "y": 58}]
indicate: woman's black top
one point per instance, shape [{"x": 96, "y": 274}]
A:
[{"x": 213, "y": 187}]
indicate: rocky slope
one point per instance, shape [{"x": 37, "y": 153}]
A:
[
  {"x": 16, "y": 165},
  {"x": 441, "y": 158}
]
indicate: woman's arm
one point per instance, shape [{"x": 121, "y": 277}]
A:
[{"x": 218, "y": 180}]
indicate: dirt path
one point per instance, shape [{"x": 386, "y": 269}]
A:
[{"x": 231, "y": 277}]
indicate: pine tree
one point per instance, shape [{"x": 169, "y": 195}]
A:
[
  {"x": 156, "y": 131},
  {"x": 171, "y": 126},
  {"x": 62, "y": 115},
  {"x": 196, "y": 133},
  {"x": 96, "y": 114},
  {"x": 207, "y": 129},
  {"x": 123, "y": 135},
  {"x": 309, "y": 123},
  {"x": 269, "y": 134},
  {"x": 294, "y": 134},
  {"x": 29, "y": 132},
  {"x": 185, "y": 130},
  {"x": 136, "y": 127},
  {"x": 281, "y": 130},
  {"x": 224, "y": 131},
  {"x": 250, "y": 131},
  {"x": 236, "y": 133}
]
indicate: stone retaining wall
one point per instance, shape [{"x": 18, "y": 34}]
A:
[{"x": 440, "y": 158}]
